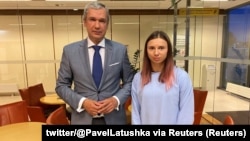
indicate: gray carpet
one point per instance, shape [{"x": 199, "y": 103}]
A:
[{"x": 239, "y": 117}]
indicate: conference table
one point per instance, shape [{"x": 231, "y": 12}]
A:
[
  {"x": 24, "y": 131},
  {"x": 52, "y": 99}
]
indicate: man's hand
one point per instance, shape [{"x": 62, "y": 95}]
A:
[
  {"x": 91, "y": 106},
  {"x": 107, "y": 105}
]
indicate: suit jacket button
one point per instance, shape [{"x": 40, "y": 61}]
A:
[{"x": 98, "y": 92}]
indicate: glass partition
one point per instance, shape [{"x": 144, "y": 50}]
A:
[{"x": 66, "y": 29}]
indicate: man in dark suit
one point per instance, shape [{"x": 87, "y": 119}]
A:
[{"x": 90, "y": 103}]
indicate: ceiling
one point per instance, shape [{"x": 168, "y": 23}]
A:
[{"x": 116, "y": 4}]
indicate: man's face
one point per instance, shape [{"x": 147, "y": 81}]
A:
[{"x": 96, "y": 24}]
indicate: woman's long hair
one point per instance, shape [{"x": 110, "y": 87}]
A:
[{"x": 167, "y": 73}]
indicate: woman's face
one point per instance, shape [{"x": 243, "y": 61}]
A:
[{"x": 157, "y": 50}]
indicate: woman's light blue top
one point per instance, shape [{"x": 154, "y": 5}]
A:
[{"x": 154, "y": 104}]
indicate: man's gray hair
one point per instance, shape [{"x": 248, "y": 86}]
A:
[{"x": 95, "y": 5}]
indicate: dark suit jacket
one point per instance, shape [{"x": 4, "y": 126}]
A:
[{"x": 75, "y": 69}]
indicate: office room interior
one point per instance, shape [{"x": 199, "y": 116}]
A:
[{"x": 211, "y": 39}]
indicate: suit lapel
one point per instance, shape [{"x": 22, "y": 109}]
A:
[{"x": 84, "y": 55}]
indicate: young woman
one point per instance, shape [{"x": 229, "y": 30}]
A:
[{"x": 161, "y": 93}]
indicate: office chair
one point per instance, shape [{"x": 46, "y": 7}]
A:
[
  {"x": 200, "y": 97},
  {"x": 14, "y": 112},
  {"x": 228, "y": 120},
  {"x": 35, "y": 93},
  {"x": 36, "y": 113},
  {"x": 58, "y": 117}
]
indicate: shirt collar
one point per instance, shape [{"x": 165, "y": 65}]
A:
[{"x": 90, "y": 43}]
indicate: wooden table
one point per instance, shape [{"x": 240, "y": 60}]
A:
[
  {"x": 24, "y": 131},
  {"x": 52, "y": 99},
  {"x": 128, "y": 114},
  {"x": 130, "y": 108}
]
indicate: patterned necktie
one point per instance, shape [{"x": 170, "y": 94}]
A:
[{"x": 97, "y": 66}]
